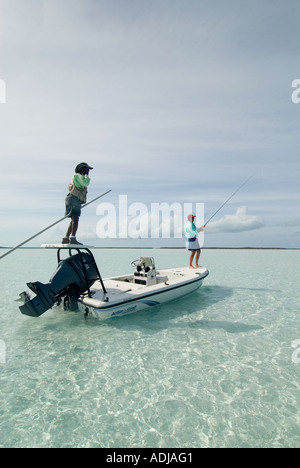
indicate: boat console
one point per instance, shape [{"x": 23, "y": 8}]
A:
[{"x": 145, "y": 273}]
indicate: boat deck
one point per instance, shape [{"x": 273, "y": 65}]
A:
[{"x": 124, "y": 285}]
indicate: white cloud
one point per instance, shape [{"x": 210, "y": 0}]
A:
[{"x": 240, "y": 221}]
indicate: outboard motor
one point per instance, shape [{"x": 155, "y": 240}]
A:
[{"x": 73, "y": 276}]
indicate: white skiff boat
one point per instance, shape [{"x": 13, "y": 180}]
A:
[{"x": 78, "y": 286}]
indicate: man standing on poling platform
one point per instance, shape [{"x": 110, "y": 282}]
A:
[{"x": 75, "y": 198}]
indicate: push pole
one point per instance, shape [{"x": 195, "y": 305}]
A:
[{"x": 48, "y": 227}]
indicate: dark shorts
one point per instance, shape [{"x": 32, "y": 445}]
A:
[{"x": 73, "y": 206}]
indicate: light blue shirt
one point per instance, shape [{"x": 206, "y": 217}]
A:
[{"x": 191, "y": 230}]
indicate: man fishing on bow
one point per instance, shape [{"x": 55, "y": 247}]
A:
[{"x": 75, "y": 198}]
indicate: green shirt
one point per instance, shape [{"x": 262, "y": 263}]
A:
[{"x": 81, "y": 181}]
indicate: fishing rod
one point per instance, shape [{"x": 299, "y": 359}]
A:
[
  {"x": 48, "y": 227},
  {"x": 231, "y": 196}
]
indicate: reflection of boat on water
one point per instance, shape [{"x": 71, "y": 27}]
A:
[{"x": 78, "y": 285}]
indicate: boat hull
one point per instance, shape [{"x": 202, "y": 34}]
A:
[
  {"x": 143, "y": 299},
  {"x": 77, "y": 284}
]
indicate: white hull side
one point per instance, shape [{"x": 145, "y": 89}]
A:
[{"x": 142, "y": 302}]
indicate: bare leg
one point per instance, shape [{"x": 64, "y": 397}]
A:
[
  {"x": 69, "y": 230},
  {"x": 73, "y": 226},
  {"x": 192, "y": 258},
  {"x": 75, "y": 220},
  {"x": 197, "y": 258}
]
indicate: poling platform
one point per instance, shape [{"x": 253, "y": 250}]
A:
[{"x": 66, "y": 246}]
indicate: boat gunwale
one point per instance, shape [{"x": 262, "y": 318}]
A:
[{"x": 106, "y": 305}]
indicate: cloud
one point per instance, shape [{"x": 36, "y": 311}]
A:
[{"x": 241, "y": 221}]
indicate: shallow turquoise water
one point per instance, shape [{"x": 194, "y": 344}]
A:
[{"x": 216, "y": 369}]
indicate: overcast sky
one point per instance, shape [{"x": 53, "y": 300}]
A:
[{"x": 171, "y": 101}]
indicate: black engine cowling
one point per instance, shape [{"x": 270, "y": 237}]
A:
[{"x": 73, "y": 277}]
